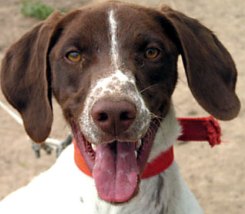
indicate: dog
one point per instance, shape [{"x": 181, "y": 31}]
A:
[{"x": 112, "y": 67}]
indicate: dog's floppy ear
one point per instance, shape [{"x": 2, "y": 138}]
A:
[
  {"x": 25, "y": 80},
  {"x": 210, "y": 70}
]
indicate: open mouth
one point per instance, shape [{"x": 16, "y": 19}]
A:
[{"x": 116, "y": 166}]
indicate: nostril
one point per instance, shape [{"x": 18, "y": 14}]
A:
[
  {"x": 126, "y": 115},
  {"x": 102, "y": 117}
]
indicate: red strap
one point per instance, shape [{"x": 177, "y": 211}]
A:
[
  {"x": 200, "y": 129},
  {"x": 159, "y": 164},
  {"x": 79, "y": 160},
  {"x": 193, "y": 129}
]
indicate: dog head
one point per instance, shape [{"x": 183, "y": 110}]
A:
[{"x": 113, "y": 69}]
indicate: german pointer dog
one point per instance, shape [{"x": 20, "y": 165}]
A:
[{"x": 112, "y": 67}]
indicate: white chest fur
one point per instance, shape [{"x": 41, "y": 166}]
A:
[{"x": 69, "y": 191}]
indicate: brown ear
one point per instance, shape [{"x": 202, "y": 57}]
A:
[
  {"x": 210, "y": 70},
  {"x": 25, "y": 79}
]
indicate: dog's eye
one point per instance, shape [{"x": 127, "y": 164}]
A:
[
  {"x": 74, "y": 56},
  {"x": 152, "y": 53}
]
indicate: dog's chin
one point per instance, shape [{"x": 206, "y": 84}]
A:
[{"x": 116, "y": 166}]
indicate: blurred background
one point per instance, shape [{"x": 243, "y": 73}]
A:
[{"x": 216, "y": 175}]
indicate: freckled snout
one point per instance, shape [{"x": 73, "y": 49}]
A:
[{"x": 113, "y": 117}]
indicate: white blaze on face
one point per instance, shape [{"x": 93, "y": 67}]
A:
[
  {"x": 118, "y": 84},
  {"x": 114, "y": 40}
]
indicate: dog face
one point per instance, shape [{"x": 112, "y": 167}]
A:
[{"x": 113, "y": 69}]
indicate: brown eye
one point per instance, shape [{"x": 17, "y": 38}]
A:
[
  {"x": 152, "y": 53},
  {"x": 74, "y": 56}
]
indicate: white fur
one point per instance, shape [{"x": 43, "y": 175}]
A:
[
  {"x": 166, "y": 134},
  {"x": 64, "y": 189},
  {"x": 114, "y": 41}
]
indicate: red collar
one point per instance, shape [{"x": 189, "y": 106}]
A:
[{"x": 193, "y": 129}]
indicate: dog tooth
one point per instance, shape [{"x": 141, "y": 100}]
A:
[
  {"x": 136, "y": 154},
  {"x": 139, "y": 144},
  {"x": 93, "y": 147}
]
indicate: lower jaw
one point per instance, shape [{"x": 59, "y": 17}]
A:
[{"x": 89, "y": 154}]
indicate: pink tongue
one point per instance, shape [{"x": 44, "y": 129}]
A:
[{"x": 116, "y": 172}]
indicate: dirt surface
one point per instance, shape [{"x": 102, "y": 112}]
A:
[{"x": 216, "y": 176}]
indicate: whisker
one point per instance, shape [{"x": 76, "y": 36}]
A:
[{"x": 150, "y": 86}]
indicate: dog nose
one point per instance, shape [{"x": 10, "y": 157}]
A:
[{"x": 113, "y": 117}]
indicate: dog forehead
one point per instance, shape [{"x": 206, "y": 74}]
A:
[
  {"x": 95, "y": 18},
  {"x": 91, "y": 26}
]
